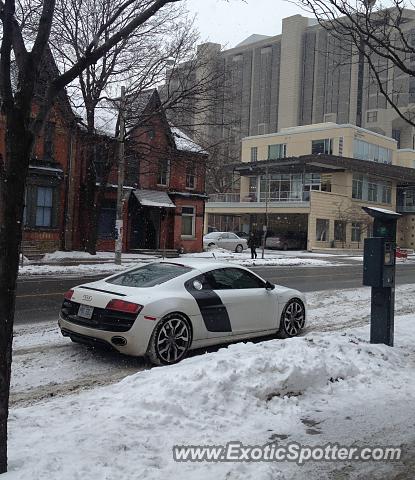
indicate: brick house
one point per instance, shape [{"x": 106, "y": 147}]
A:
[
  {"x": 50, "y": 212},
  {"x": 164, "y": 182},
  {"x": 164, "y": 186}
]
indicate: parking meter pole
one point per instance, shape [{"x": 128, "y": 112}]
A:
[
  {"x": 379, "y": 266},
  {"x": 382, "y": 315}
]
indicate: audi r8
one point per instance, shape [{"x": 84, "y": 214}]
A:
[{"x": 162, "y": 310}]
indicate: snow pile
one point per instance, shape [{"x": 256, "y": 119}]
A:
[
  {"x": 87, "y": 269},
  {"x": 252, "y": 393},
  {"x": 284, "y": 262},
  {"x": 60, "y": 255}
]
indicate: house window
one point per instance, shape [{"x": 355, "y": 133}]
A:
[
  {"x": 277, "y": 151},
  {"x": 340, "y": 230},
  {"x": 322, "y": 230},
  {"x": 190, "y": 176},
  {"x": 163, "y": 172},
  {"x": 356, "y": 232},
  {"x": 372, "y": 116},
  {"x": 49, "y": 144},
  {"x": 106, "y": 221},
  {"x": 44, "y": 204},
  {"x": 188, "y": 221},
  {"x": 324, "y": 146},
  {"x": 254, "y": 154}
]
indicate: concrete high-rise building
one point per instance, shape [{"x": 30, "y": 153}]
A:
[{"x": 304, "y": 76}]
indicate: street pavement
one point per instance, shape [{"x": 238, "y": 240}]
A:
[{"x": 39, "y": 299}]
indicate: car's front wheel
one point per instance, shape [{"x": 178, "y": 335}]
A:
[
  {"x": 239, "y": 249},
  {"x": 292, "y": 319},
  {"x": 170, "y": 340}
]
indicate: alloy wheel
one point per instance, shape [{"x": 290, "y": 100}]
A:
[
  {"x": 173, "y": 340},
  {"x": 294, "y": 318}
]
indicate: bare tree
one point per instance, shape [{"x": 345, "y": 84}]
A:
[
  {"x": 25, "y": 113},
  {"x": 380, "y": 40},
  {"x": 351, "y": 215}
]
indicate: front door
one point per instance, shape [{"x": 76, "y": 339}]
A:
[{"x": 250, "y": 306}]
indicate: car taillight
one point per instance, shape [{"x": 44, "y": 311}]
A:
[
  {"x": 122, "y": 306},
  {"x": 68, "y": 295}
]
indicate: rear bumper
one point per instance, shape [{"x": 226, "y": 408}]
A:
[{"x": 137, "y": 338}]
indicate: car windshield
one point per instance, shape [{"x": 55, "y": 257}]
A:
[{"x": 149, "y": 275}]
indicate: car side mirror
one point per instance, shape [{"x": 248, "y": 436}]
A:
[
  {"x": 269, "y": 286},
  {"x": 220, "y": 238}
]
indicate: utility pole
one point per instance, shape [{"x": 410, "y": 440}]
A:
[{"x": 120, "y": 192}]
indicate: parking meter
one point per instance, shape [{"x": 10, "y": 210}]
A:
[{"x": 379, "y": 265}]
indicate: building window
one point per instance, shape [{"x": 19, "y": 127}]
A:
[
  {"x": 357, "y": 191},
  {"x": 396, "y": 135},
  {"x": 163, "y": 173},
  {"x": 277, "y": 151},
  {"x": 340, "y": 231},
  {"x": 254, "y": 154},
  {"x": 44, "y": 205},
  {"x": 322, "y": 230},
  {"x": 356, "y": 232},
  {"x": 372, "y": 116},
  {"x": 372, "y": 192},
  {"x": 369, "y": 151},
  {"x": 190, "y": 176},
  {"x": 188, "y": 221},
  {"x": 386, "y": 194},
  {"x": 324, "y": 146},
  {"x": 106, "y": 221},
  {"x": 49, "y": 141}
]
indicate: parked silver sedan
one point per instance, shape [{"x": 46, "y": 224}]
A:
[{"x": 226, "y": 240}]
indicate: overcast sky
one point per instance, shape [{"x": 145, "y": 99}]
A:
[{"x": 228, "y": 23}]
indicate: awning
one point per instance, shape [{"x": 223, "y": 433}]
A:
[{"x": 153, "y": 198}]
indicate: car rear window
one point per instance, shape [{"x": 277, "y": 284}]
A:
[{"x": 149, "y": 275}]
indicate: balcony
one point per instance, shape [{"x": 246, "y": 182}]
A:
[{"x": 252, "y": 200}]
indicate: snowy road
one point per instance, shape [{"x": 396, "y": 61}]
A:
[
  {"x": 39, "y": 299},
  {"x": 46, "y": 364}
]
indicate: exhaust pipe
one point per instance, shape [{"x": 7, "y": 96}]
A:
[{"x": 119, "y": 341}]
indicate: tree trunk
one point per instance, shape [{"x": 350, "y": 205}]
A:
[
  {"x": 12, "y": 193},
  {"x": 90, "y": 202}
]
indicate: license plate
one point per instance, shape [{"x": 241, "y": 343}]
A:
[{"x": 85, "y": 311}]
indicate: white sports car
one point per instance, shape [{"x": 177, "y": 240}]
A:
[{"x": 161, "y": 310}]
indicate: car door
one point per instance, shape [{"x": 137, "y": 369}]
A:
[
  {"x": 224, "y": 241},
  {"x": 250, "y": 306}
]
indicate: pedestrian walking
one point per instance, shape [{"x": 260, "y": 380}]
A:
[{"x": 252, "y": 244}]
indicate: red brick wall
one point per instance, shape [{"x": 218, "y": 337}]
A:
[{"x": 190, "y": 245}]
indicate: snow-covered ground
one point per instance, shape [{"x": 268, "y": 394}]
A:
[
  {"x": 329, "y": 385},
  {"x": 82, "y": 263}
]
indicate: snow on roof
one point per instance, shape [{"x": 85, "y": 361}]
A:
[{"x": 185, "y": 143}]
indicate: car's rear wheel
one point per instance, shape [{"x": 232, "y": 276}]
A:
[
  {"x": 170, "y": 340},
  {"x": 239, "y": 249},
  {"x": 292, "y": 319}
]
